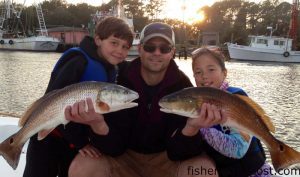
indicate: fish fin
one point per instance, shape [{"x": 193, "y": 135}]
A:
[
  {"x": 11, "y": 151},
  {"x": 103, "y": 106},
  {"x": 268, "y": 122},
  {"x": 24, "y": 118},
  {"x": 259, "y": 110},
  {"x": 284, "y": 156},
  {"x": 28, "y": 112},
  {"x": 43, "y": 133}
]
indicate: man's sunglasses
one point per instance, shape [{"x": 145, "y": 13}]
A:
[{"x": 164, "y": 49}]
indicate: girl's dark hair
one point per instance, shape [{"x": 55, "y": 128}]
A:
[
  {"x": 116, "y": 27},
  {"x": 214, "y": 53}
]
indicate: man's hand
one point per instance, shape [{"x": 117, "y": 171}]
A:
[{"x": 209, "y": 115}]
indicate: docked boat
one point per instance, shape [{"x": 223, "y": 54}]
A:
[
  {"x": 118, "y": 11},
  {"x": 8, "y": 126},
  {"x": 133, "y": 51},
  {"x": 265, "y": 48},
  {"x": 270, "y": 48},
  {"x": 13, "y": 39}
]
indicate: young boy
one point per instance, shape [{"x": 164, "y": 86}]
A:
[{"x": 94, "y": 60}]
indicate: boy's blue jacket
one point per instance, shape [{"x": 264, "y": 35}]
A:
[{"x": 94, "y": 70}]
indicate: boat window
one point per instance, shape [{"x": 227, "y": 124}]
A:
[
  {"x": 262, "y": 41},
  {"x": 250, "y": 40},
  {"x": 282, "y": 43},
  {"x": 277, "y": 42}
]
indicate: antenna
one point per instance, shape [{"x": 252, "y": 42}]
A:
[{"x": 293, "y": 23}]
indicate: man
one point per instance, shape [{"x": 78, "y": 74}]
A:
[{"x": 144, "y": 141}]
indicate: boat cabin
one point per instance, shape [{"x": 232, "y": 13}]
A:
[{"x": 267, "y": 42}]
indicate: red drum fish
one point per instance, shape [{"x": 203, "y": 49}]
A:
[
  {"x": 48, "y": 112},
  {"x": 243, "y": 114}
]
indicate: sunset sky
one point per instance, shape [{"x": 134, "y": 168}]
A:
[{"x": 173, "y": 8}]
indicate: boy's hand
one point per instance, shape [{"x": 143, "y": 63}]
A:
[
  {"x": 90, "y": 151},
  {"x": 209, "y": 116},
  {"x": 77, "y": 113}
]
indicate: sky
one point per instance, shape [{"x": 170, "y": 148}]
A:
[{"x": 173, "y": 8}]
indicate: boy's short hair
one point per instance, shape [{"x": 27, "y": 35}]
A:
[{"x": 116, "y": 27}]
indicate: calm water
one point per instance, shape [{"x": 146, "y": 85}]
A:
[{"x": 276, "y": 87}]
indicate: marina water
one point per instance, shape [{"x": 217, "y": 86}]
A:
[{"x": 275, "y": 86}]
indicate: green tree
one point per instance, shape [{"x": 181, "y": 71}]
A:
[
  {"x": 60, "y": 17},
  {"x": 51, "y": 5},
  {"x": 267, "y": 17},
  {"x": 233, "y": 19},
  {"x": 153, "y": 8},
  {"x": 253, "y": 15},
  {"x": 81, "y": 13},
  {"x": 282, "y": 16},
  {"x": 239, "y": 27},
  {"x": 135, "y": 9}
]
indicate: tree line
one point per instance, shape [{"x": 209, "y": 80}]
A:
[{"x": 233, "y": 19}]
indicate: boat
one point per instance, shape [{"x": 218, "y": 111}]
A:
[
  {"x": 133, "y": 51},
  {"x": 270, "y": 48},
  {"x": 117, "y": 11},
  {"x": 11, "y": 38},
  {"x": 8, "y": 126},
  {"x": 265, "y": 48}
]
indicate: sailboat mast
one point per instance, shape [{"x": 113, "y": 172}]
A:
[
  {"x": 294, "y": 24},
  {"x": 119, "y": 8}
]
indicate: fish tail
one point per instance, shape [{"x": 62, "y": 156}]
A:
[
  {"x": 10, "y": 152},
  {"x": 284, "y": 156}
]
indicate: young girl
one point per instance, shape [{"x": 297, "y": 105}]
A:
[{"x": 235, "y": 153}]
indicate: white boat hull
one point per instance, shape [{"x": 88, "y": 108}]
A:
[
  {"x": 134, "y": 48},
  {"x": 39, "y": 43},
  {"x": 241, "y": 52},
  {"x": 8, "y": 126},
  {"x": 133, "y": 51}
]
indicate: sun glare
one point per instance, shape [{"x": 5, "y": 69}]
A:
[
  {"x": 185, "y": 10},
  {"x": 198, "y": 17}
]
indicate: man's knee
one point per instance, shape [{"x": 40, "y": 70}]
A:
[{"x": 199, "y": 166}]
